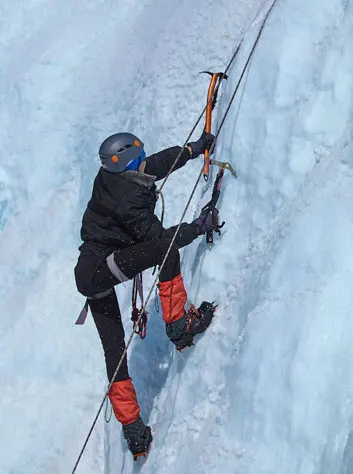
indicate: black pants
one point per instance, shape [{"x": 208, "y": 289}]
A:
[{"x": 93, "y": 276}]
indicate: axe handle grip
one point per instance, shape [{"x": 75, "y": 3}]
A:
[
  {"x": 211, "y": 88},
  {"x": 209, "y": 237}
]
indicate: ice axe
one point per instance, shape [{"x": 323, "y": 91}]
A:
[{"x": 213, "y": 88}]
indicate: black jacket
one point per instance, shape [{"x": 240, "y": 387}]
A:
[{"x": 121, "y": 210}]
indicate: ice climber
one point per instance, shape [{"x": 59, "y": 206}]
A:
[{"x": 122, "y": 237}]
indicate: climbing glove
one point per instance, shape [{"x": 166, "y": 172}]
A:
[
  {"x": 207, "y": 220},
  {"x": 202, "y": 144}
]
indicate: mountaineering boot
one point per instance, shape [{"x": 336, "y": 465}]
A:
[
  {"x": 138, "y": 437},
  {"x": 182, "y": 326},
  {"x": 182, "y": 331},
  {"x": 123, "y": 398}
]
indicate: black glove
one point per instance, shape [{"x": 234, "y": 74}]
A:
[
  {"x": 206, "y": 222},
  {"x": 202, "y": 144}
]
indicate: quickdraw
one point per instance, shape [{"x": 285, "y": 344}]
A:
[{"x": 139, "y": 324}]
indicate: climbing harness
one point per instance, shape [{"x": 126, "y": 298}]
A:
[{"x": 142, "y": 310}]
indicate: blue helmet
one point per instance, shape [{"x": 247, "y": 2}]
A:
[{"x": 121, "y": 152}]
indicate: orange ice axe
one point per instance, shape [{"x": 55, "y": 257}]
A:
[{"x": 216, "y": 79}]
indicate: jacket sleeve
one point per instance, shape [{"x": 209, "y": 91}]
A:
[
  {"x": 140, "y": 222},
  {"x": 160, "y": 163},
  {"x": 186, "y": 234}
]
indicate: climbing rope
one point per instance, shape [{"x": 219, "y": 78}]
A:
[{"x": 143, "y": 309}]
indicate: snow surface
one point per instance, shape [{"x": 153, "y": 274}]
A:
[{"x": 268, "y": 389}]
